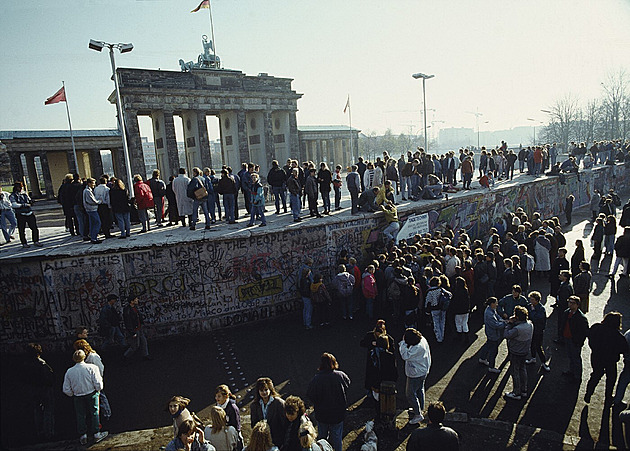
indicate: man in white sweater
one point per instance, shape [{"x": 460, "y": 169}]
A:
[{"x": 83, "y": 382}]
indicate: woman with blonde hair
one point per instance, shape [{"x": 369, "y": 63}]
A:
[
  {"x": 91, "y": 356},
  {"x": 227, "y": 401},
  {"x": 222, "y": 436},
  {"x": 260, "y": 439}
]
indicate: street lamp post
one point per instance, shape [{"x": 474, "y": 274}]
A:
[
  {"x": 124, "y": 48},
  {"x": 534, "y": 120},
  {"x": 424, "y": 100}
]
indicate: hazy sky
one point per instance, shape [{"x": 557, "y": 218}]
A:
[{"x": 507, "y": 59}]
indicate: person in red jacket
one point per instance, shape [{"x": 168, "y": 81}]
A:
[{"x": 144, "y": 200}]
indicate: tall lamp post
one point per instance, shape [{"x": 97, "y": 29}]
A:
[
  {"x": 424, "y": 100},
  {"x": 534, "y": 120},
  {"x": 124, "y": 48}
]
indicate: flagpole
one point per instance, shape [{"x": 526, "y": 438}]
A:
[
  {"x": 350, "y": 129},
  {"x": 214, "y": 44},
  {"x": 74, "y": 150}
]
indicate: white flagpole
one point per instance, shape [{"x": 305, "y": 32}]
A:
[
  {"x": 214, "y": 45},
  {"x": 74, "y": 150},
  {"x": 350, "y": 129}
]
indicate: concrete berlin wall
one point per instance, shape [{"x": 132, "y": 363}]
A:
[{"x": 205, "y": 285}]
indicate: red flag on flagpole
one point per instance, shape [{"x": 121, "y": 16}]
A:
[
  {"x": 203, "y": 4},
  {"x": 59, "y": 96}
]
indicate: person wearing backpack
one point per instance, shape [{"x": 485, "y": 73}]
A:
[
  {"x": 370, "y": 290},
  {"x": 435, "y": 302},
  {"x": 343, "y": 283},
  {"x": 321, "y": 300}
]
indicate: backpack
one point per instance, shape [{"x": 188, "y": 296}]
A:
[
  {"x": 529, "y": 263},
  {"x": 444, "y": 301},
  {"x": 344, "y": 286},
  {"x": 393, "y": 291}
]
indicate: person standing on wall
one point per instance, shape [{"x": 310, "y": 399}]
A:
[
  {"x": 158, "y": 188},
  {"x": 295, "y": 190},
  {"x": 353, "y": 182},
  {"x": 277, "y": 178},
  {"x": 134, "y": 324},
  {"x": 101, "y": 192},
  {"x": 21, "y": 203},
  {"x": 91, "y": 203}
]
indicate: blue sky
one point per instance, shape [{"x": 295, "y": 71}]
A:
[{"x": 505, "y": 58}]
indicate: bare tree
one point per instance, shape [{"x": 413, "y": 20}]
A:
[
  {"x": 615, "y": 99},
  {"x": 588, "y": 121},
  {"x": 563, "y": 115}
]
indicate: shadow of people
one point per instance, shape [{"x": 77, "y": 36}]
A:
[{"x": 586, "y": 439}]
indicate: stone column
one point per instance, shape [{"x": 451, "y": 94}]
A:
[
  {"x": 243, "y": 147},
  {"x": 32, "y": 175},
  {"x": 270, "y": 149},
  {"x": 294, "y": 147},
  {"x": 96, "y": 164},
  {"x": 319, "y": 152},
  {"x": 171, "y": 143},
  {"x": 72, "y": 166},
  {"x": 134, "y": 143},
  {"x": 204, "y": 140},
  {"x": 303, "y": 151},
  {"x": 17, "y": 170},
  {"x": 48, "y": 183},
  {"x": 330, "y": 147},
  {"x": 118, "y": 160}
]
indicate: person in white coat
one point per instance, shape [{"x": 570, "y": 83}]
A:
[
  {"x": 184, "y": 203},
  {"x": 83, "y": 382},
  {"x": 414, "y": 350}
]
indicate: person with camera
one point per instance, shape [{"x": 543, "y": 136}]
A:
[{"x": 21, "y": 203}]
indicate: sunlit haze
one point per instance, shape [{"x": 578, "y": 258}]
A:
[{"x": 505, "y": 59}]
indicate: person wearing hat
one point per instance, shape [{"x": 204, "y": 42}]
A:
[
  {"x": 109, "y": 323},
  {"x": 134, "y": 326}
]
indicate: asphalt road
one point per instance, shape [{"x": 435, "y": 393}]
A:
[{"x": 193, "y": 366}]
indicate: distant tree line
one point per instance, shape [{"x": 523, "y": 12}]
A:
[{"x": 604, "y": 118}]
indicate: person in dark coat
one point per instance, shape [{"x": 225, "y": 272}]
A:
[
  {"x": 41, "y": 380},
  {"x": 173, "y": 215},
  {"x": 269, "y": 406},
  {"x": 369, "y": 341},
  {"x": 382, "y": 366},
  {"x": 435, "y": 436},
  {"x": 559, "y": 264},
  {"x": 65, "y": 197},
  {"x": 327, "y": 390},
  {"x": 577, "y": 258},
  {"x": 568, "y": 207},
  {"x": 565, "y": 290},
  {"x": 607, "y": 344},
  {"x": 574, "y": 332}
]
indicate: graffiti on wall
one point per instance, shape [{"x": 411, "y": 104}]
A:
[{"x": 204, "y": 285}]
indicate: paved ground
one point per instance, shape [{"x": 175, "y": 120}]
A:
[{"x": 554, "y": 416}]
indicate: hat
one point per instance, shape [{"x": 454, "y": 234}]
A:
[{"x": 111, "y": 297}]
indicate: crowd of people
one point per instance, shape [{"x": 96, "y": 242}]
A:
[
  {"x": 430, "y": 284},
  {"x": 92, "y": 208}
]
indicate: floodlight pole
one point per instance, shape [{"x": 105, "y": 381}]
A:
[
  {"x": 424, "y": 101},
  {"x": 121, "y": 121}
]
